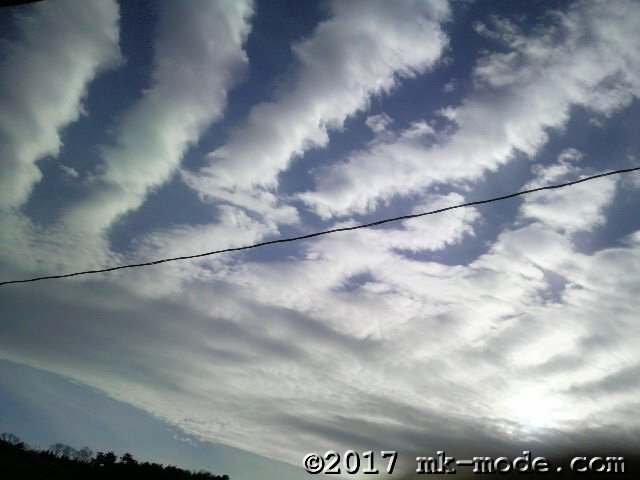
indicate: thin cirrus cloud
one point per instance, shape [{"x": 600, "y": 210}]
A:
[
  {"x": 236, "y": 353},
  {"x": 62, "y": 45},
  {"x": 520, "y": 95},
  {"x": 571, "y": 213},
  {"x": 198, "y": 58},
  {"x": 372, "y": 339},
  {"x": 358, "y": 52}
]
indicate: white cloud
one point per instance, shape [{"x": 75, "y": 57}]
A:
[
  {"x": 69, "y": 172},
  {"x": 352, "y": 342},
  {"x": 269, "y": 207},
  {"x": 189, "y": 91},
  {"x": 580, "y": 208},
  {"x": 450, "y": 86},
  {"x": 62, "y": 46},
  {"x": 362, "y": 50},
  {"x": 360, "y": 339},
  {"x": 378, "y": 123},
  {"x": 233, "y": 228},
  {"x": 198, "y": 57},
  {"x": 586, "y": 58}
]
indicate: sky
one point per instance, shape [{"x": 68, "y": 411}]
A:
[{"x": 132, "y": 131}]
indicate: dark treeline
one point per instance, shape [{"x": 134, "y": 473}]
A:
[{"x": 62, "y": 462}]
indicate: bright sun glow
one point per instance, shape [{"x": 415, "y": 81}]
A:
[{"x": 534, "y": 408}]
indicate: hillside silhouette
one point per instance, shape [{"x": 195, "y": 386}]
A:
[{"x": 61, "y": 462}]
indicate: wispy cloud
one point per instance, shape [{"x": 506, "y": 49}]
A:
[
  {"x": 376, "y": 338},
  {"x": 198, "y": 58},
  {"x": 62, "y": 46},
  {"x": 520, "y": 96},
  {"x": 364, "y": 49}
]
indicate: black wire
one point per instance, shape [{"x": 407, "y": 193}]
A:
[
  {"x": 325, "y": 232},
  {"x": 13, "y": 3}
]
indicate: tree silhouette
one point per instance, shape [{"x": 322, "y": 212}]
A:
[
  {"x": 128, "y": 460},
  {"x": 10, "y": 438},
  {"x": 85, "y": 454},
  {"x": 105, "y": 459},
  {"x": 62, "y": 462},
  {"x": 61, "y": 450}
]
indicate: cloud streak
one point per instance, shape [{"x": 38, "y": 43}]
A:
[
  {"x": 363, "y": 50},
  {"x": 585, "y": 58},
  {"x": 198, "y": 59},
  {"x": 63, "y": 45},
  {"x": 481, "y": 328}
]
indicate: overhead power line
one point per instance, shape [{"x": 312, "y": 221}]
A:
[
  {"x": 324, "y": 232},
  {"x": 13, "y": 3}
]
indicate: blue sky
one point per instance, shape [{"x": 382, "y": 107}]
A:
[{"x": 132, "y": 131}]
